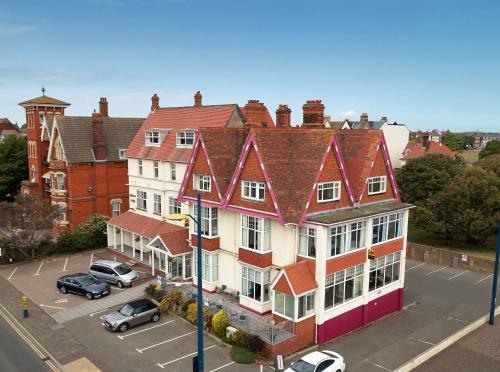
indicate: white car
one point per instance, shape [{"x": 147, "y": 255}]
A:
[{"x": 319, "y": 361}]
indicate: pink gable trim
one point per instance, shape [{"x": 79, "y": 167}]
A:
[
  {"x": 188, "y": 199},
  {"x": 332, "y": 145},
  {"x": 252, "y": 212},
  {"x": 388, "y": 164},
  {"x": 370, "y": 172},
  {"x": 250, "y": 141}
]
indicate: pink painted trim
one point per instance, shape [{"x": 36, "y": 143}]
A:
[
  {"x": 204, "y": 148},
  {"x": 251, "y": 212},
  {"x": 182, "y": 189},
  {"x": 205, "y": 203},
  {"x": 391, "y": 170},
  {"x": 343, "y": 168},
  {"x": 236, "y": 174},
  {"x": 370, "y": 172}
]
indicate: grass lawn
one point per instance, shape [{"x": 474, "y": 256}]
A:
[
  {"x": 470, "y": 156},
  {"x": 486, "y": 250},
  {"x": 242, "y": 355}
]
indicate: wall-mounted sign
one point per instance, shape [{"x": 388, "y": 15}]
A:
[{"x": 371, "y": 254}]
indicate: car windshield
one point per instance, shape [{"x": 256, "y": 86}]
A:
[
  {"x": 123, "y": 269},
  {"x": 88, "y": 280},
  {"x": 127, "y": 310},
  {"x": 302, "y": 366}
]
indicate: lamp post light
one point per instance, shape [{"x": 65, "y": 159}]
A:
[
  {"x": 495, "y": 280},
  {"x": 198, "y": 360}
]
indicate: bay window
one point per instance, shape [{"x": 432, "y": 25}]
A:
[
  {"x": 387, "y": 227},
  {"x": 307, "y": 241},
  {"x": 284, "y": 304},
  {"x": 343, "y": 285},
  {"x": 255, "y": 284},
  {"x": 306, "y": 305},
  {"x": 209, "y": 221},
  {"x": 346, "y": 238},
  {"x": 209, "y": 266},
  {"x": 255, "y": 233},
  {"x": 201, "y": 182},
  {"x": 253, "y": 190},
  {"x": 384, "y": 270}
]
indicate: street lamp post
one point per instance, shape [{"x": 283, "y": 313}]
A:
[{"x": 495, "y": 280}]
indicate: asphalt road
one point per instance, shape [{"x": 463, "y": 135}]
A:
[{"x": 15, "y": 354}]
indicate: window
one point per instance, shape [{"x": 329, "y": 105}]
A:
[
  {"x": 209, "y": 222},
  {"x": 384, "y": 270},
  {"x": 173, "y": 175},
  {"x": 61, "y": 213},
  {"x": 201, "y": 182},
  {"x": 306, "y": 305},
  {"x": 139, "y": 165},
  {"x": 387, "y": 227},
  {"x": 343, "y": 286},
  {"x": 58, "y": 150},
  {"x": 157, "y": 203},
  {"x": 284, "y": 304},
  {"x": 33, "y": 174},
  {"x": 152, "y": 138},
  {"x": 346, "y": 238},
  {"x": 376, "y": 185},
  {"x": 307, "y": 241},
  {"x": 255, "y": 233},
  {"x": 173, "y": 206},
  {"x": 210, "y": 266},
  {"x": 185, "y": 138},
  {"x": 255, "y": 284},
  {"x": 116, "y": 208},
  {"x": 328, "y": 191},
  {"x": 122, "y": 154},
  {"x": 253, "y": 190},
  {"x": 156, "y": 169},
  {"x": 60, "y": 181},
  {"x": 142, "y": 198}
]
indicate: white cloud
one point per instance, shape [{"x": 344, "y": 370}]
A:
[
  {"x": 350, "y": 114},
  {"x": 15, "y": 30}
]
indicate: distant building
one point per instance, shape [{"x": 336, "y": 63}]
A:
[
  {"x": 7, "y": 129},
  {"x": 415, "y": 149},
  {"x": 480, "y": 140}
]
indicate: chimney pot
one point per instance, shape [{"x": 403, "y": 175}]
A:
[
  {"x": 197, "y": 99},
  {"x": 283, "y": 114},
  {"x": 255, "y": 113},
  {"x": 103, "y": 106},
  {"x": 313, "y": 114},
  {"x": 155, "y": 102}
]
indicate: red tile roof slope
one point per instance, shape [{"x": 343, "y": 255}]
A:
[
  {"x": 142, "y": 225},
  {"x": 176, "y": 241},
  {"x": 269, "y": 120},
  {"x": 414, "y": 150},
  {"x": 301, "y": 276},
  {"x": 439, "y": 148},
  {"x": 176, "y": 118},
  {"x": 7, "y": 124}
]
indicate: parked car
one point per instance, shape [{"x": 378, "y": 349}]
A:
[
  {"x": 132, "y": 314},
  {"x": 113, "y": 272},
  {"x": 319, "y": 361},
  {"x": 83, "y": 284}
]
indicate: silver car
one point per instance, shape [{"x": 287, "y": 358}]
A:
[
  {"x": 113, "y": 272},
  {"x": 132, "y": 314}
]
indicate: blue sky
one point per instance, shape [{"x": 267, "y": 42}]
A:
[{"x": 429, "y": 64}]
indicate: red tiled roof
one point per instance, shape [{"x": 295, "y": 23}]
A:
[
  {"x": 439, "y": 148},
  {"x": 142, "y": 225},
  {"x": 6, "y": 124},
  {"x": 301, "y": 276},
  {"x": 414, "y": 150},
  {"x": 176, "y": 241},
  {"x": 177, "y": 118},
  {"x": 269, "y": 120}
]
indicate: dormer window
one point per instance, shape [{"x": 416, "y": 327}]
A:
[
  {"x": 152, "y": 137},
  {"x": 376, "y": 185},
  {"x": 328, "y": 191},
  {"x": 253, "y": 190},
  {"x": 121, "y": 154},
  {"x": 201, "y": 182},
  {"x": 185, "y": 138}
]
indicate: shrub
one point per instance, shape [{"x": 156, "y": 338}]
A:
[
  {"x": 242, "y": 355},
  {"x": 172, "y": 302},
  {"x": 239, "y": 338},
  {"x": 192, "y": 313},
  {"x": 184, "y": 307},
  {"x": 255, "y": 344},
  {"x": 207, "y": 320},
  {"x": 220, "y": 323}
]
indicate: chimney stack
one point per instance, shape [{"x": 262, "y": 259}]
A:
[
  {"x": 383, "y": 120},
  {"x": 313, "y": 111},
  {"x": 155, "y": 102},
  {"x": 197, "y": 99},
  {"x": 255, "y": 114},
  {"x": 283, "y": 114},
  {"x": 98, "y": 136},
  {"x": 363, "y": 121},
  {"x": 103, "y": 106}
]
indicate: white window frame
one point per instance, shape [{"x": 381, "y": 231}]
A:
[
  {"x": 341, "y": 238},
  {"x": 139, "y": 167},
  {"x": 173, "y": 206},
  {"x": 336, "y": 283},
  {"x": 286, "y": 305},
  {"x": 381, "y": 181},
  {"x": 202, "y": 182},
  {"x": 252, "y": 278},
  {"x": 381, "y": 267},
  {"x": 185, "y": 138},
  {"x": 387, "y": 227},
  {"x": 258, "y": 230},
  {"x": 116, "y": 206},
  {"x": 152, "y": 137},
  {"x": 324, "y": 187},
  {"x": 253, "y": 190},
  {"x": 209, "y": 221},
  {"x": 307, "y": 241},
  {"x": 306, "y": 302},
  {"x": 209, "y": 266},
  {"x": 142, "y": 200},
  {"x": 173, "y": 172},
  {"x": 157, "y": 203},
  {"x": 156, "y": 168}
]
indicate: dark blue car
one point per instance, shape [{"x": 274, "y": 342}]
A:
[{"x": 83, "y": 284}]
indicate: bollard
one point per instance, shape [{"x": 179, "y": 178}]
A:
[{"x": 25, "y": 306}]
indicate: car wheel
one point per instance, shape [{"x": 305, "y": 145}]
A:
[
  {"x": 89, "y": 296},
  {"x": 119, "y": 284},
  {"x": 63, "y": 290},
  {"x": 123, "y": 327},
  {"x": 155, "y": 317}
]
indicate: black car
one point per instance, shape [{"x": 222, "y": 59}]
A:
[{"x": 83, "y": 284}]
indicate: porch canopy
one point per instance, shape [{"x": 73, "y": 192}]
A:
[{"x": 174, "y": 244}]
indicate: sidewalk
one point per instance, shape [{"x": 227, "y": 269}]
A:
[{"x": 54, "y": 337}]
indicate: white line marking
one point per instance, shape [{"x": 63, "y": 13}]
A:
[
  {"x": 118, "y": 289},
  {"x": 458, "y": 320},
  {"x": 65, "y": 263},
  {"x": 377, "y": 365},
  {"x": 164, "y": 342},
  {"x": 463, "y": 272},
  {"x": 479, "y": 281},
  {"x": 162, "y": 365},
  {"x": 224, "y": 366},
  {"x": 409, "y": 305},
  {"x": 91, "y": 259},
  {"x": 53, "y": 307},
  {"x": 97, "y": 312},
  {"x": 38, "y": 271},
  {"x": 435, "y": 271},
  {"x": 145, "y": 329},
  {"x": 423, "y": 341},
  {"x": 10, "y": 276},
  {"x": 411, "y": 268}
]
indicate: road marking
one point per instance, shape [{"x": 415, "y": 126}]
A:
[
  {"x": 377, "y": 365},
  {"x": 118, "y": 289},
  {"x": 91, "y": 259},
  {"x": 144, "y": 330},
  {"x": 53, "y": 307},
  {"x": 486, "y": 277},
  {"x": 409, "y": 305},
  {"x": 435, "y": 271},
  {"x": 162, "y": 365},
  {"x": 98, "y": 312},
  {"x": 62, "y": 300},
  {"x": 423, "y": 341},
  {"x": 463, "y": 272},
  {"x": 38, "y": 272},
  {"x": 411, "y": 268},
  {"x": 65, "y": 263},
  {"x": 164, "y": 342},
  {"x": 10, "y": 276},
  {"x": 224, "y": 366},
  {"x": 458, "y": 320}
]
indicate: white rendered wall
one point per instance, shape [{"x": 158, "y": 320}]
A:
[{"x": 396, "y": 137}]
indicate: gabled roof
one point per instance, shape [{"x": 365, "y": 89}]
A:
[
  {"x": 142, "y": 225},
  {"x": 300, "y": 277},
  {"x": 173, "y": 118},
  {"x": 414, "y": 150},
  {"x": 44, "y": 101},
  {"x": 175, "y": 241},
  {"x": 6, "y": 124}
]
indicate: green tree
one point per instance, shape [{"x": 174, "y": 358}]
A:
[
  {"x": 455, "y": 141},
  {"x": 491, "y": 163},
  {"x": 13, "y": 166},
  {"x": 492, "y": 147}
]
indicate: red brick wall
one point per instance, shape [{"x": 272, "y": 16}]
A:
[
  {"x": 389, "y": 247},
  {"x": 379, "y": 169},
  {"x": 252, "y": 172},
  {"x": 200, "y": 166},
  {"x": 330, "y": 172},
  {"x": 255, "y": 259},
  {"x": 343, "y": 262},
  {"x": 305, "y": 331}
]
